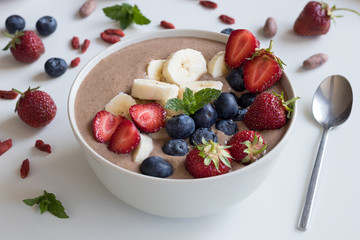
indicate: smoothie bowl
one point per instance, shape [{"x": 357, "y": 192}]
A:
[{"x": 178, "y": 194}]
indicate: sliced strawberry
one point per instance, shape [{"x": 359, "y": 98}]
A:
[
  {"x": 148, "y": 117},
  {"x": 104, "y": 125},
  {"x": 240, "y": 45},
  {"x": 125, "y": 138},
  {"x": 5, "y": 145}
]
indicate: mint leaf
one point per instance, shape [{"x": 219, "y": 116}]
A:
[
  {"x": 32, "y": 201},
  {"x": 138, "y": 17},
  {"x": 204, "y": 96},
  {"x": 176, "y": 104}
]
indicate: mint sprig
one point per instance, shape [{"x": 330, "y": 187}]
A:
[
  {"x": 126, "y": 14},
  {"x": 48, "y": 202},
  {"x": 192, "y": 102}
]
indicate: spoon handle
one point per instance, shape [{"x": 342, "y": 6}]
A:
[{"x": 306, "y": 211}]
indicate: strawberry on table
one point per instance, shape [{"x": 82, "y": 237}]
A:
[
  {"x": 125, "y": 138},
  {"x": 262, "y": 70},
  {"x": 247, "y": 146},
  {"x": 148, "y": 118},
  {"x": 269, "y": 111},
  {"x": 104, "y": 125}
]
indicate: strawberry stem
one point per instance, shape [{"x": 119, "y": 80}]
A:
[
  {"x": 22, "y": 94},
  {"x": 288, "y": 105}
]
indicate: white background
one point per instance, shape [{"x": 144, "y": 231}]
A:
[{"x": 270, "y": 213}]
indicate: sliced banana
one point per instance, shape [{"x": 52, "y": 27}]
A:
[
  {"x": 143, "y": 150},
  {"x": 120, "y": 104},
  {"x": 153, "y": 90},
  {"x": 184, "y": 66},
  {"x": 217, "y": 66},
  {"x": 198, "y": 85},
  {"x": 154, "y": 69}
]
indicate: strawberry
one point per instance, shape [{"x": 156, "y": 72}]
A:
[
  {"x": 148, "y": 118},
  {"x": 208, "y": 159},
  {"x": 25, "y": 46},
  {"x": 125, "y": 138},
  {"x": 269, "y": 111},
  {"x": 315, "y": 18},
  {"x": 240, "y": 45},
  {"x": 36, "y": 108},
  {"x": 5, "y": 145},
  {"x": 104, "y": 125},
  {"x": 247, "y": 146},
  {"x": 262, "y": 70}
]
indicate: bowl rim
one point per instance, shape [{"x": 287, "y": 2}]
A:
[{"x": 153, "y": 35}]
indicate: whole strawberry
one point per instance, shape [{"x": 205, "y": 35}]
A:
[
  {"x": 25, "y": 46},
  {"x": 36, "y": 108},
  {"x": 315, "y": 18},
  {"x": 208, "y": 159},
  {"x": 269, "y": 111},
  {"x": 247, "y": 146}
]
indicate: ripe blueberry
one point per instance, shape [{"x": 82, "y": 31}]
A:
[
  {"x": 156, "y": 167},
  {"x": 55, "y": 67},
  {"x": 205, "y": 116},
  {"x": 14, "y": 23},
  {"x": 229, "y": 127},
  {"x": 46, "y": 25},
  {"x": 239, "y": 116},
  {"x": 227, "y": 31},
  {"x": 226, "y": 105},
  {"x": 176, "y": 147},
  {"x": 180, "y": 126},
  {"x": 246, "y": 100},
  {"x": 235, "y": 79},
  {"x": 200, "y": 133}
]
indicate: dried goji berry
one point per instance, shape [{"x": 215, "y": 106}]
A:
[
  {"x": 8, "y": 94},
  {"x": 166, "y": 25},
  {"x": 75, "y": 42},
  {"x": 85, "y": 45},
  {"x": 5, "y": 145},
  {"x": 226, "y": 19},
  {"x": 25, "y": 168},
  {"x": 208, "y": 4},
  {"x": 75, "y": 62},
  {"x": 109, "y": 38},
  {"x": 113, "y": 31},
  {"x": 39, "y": 144}
]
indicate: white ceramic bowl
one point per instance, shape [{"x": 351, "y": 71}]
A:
[{"x": 174, "y": 197}]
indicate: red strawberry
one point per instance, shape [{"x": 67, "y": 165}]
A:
[
  {"x": 315, "y": 18},
  {"x": 240, "y": 45},
  {"x": 208, "y": 159},
  {"x": 262, "y": 70},
  {"x": 125, "y": 138},
  {"x": 25, "y": 46},
  {"x": 148, "y": 117},
  {"x": 104, "y": 125},
  {"x": 5, "y": 145},
  {"x": 36, "y": 108},
  {"x": 269, "y": 111},
  {"x": 247, "y": 146}
]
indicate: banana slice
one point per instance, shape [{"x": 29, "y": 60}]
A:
[
  {"x": 154, "y": 69},
  {"x": 184, "y": 66},
  {"x": 198, "y": 85},
  {"x": 120, "y": 105},
  {"x": 143, "y": 150},
  {"x": 153, "y": 90},
  {"x": 217, "y": 65}
]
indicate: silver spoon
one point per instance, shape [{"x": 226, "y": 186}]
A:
[{"x": 331, "y": 107}]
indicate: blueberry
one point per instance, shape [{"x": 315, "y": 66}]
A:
[
  {"x": 46, "y": 25},
  {"x": 205, "y": 116},
  {"x": 226, "y": 105},
  {"x": 14, "y": 23},
  {"x": 235, "y": 79},
  {"x": 227, "y": 31},
  {"x": 239, "y": 116},
  {"x": 156, "y": 167},
  {"x": 199, "y": 134},
  {"x": 246, "y": 100},
  {"x": 55, "y": 67},
  {"x": 229, "y": 127},
  {"x": 176, "y": 147},
  {"x": 180, "y": 126}
]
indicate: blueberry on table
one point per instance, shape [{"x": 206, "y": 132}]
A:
[
  {"x": 46, "y": 25},
  {"x": 227, "y": 31},
  {"x": 200, "y": 133},
  {"x": 246, "y": 100},
  {"x": 180, "y": 126},
  {"x": 156, "y": 167},
  {"x": 239, "y": 116},
  {"x": 229, "y": 127},
  {"x": 235, "y": 78},
  {"x": 176, "y": 147},
  {"x": 205, "y": 116},
  {"x": 226, "y": 105},
  {"x": 55, "y": 67},
  {"x": 14, "y": 23}
]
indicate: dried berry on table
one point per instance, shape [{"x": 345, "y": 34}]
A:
[
  {"x": 85, "y": 45},
  {"x": 270, "y": 27},
  {"x": 226, "y": 19},
  {"x": 5, "y": 145},
  {"x": 315, "y": 61},
  {"x": 75, "y": 42},
  {"x": 109, "y": 38},
  {"x": 167, "y": 25},
  {"x": 87, "y": 8},
  {"x": 113, "y": 31},
  {"x": 25, "y": 168},
  {"x": 39, "y": 144},
  {"x": 208, "y": 4},
  {"x": 75, "y": 62},
  {"x": 8, "y": 94}
]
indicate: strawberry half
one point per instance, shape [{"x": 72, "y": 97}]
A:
[
  {"x": 104, "y": 125},
  {"x": 240, "y": 45},
  {"x": 125, "y": 138},
  {"x": 262, "y": 70},
  {"x": 148, "y": 118}
]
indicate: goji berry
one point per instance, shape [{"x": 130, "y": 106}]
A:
[
  {"x": 39, "y": 144},
  {"x": 75, "y": 42},
  {"x": 5, "y": 145},
  {"x": 75, "y": 62},
  {"x": 25, "y": 168},
  {"x": 226, "y": 19},
  {"x": 8, "y": 94},
  {"x": 208, "y": 4},
  {"x": 109, "y": 38},
  {"x": 113, "y": 31},
  {"x": 85, "y": 45},
  {"x": 166, "y": 25}
]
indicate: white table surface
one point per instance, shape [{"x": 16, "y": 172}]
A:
[{"x": 270, "y": 213}]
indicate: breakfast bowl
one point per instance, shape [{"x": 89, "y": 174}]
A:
[{"x": 111, "y": 72}]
